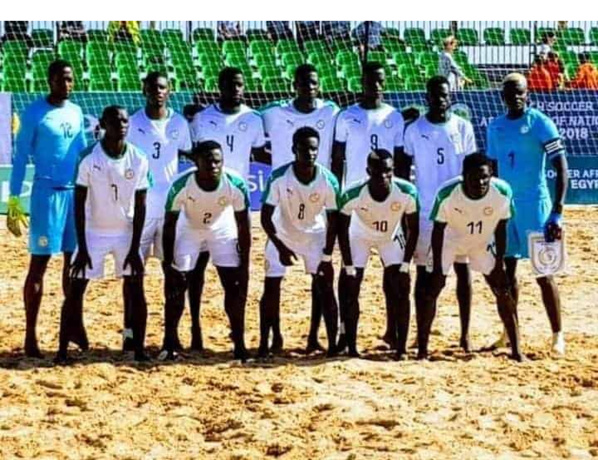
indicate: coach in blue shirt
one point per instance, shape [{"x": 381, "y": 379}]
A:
[
  {"x": 52, "y": 136},
  {"x": 520, "y": 142}
]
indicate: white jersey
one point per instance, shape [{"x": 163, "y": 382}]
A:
[
  {"x": 111, "y": 185},
  {"x": 161, "y": 141},
  {"x": 300, "y": 208},
  {"x": 364, "y": 130},
  {"x": 471, "y": 223},
  {"x": 208, "y": 212},
  {"x": 437, "y": 150},
  {"x": 237, "y": 133},
  {"x": 282, "y": 119},
  {"x": 379, "y": 220}
]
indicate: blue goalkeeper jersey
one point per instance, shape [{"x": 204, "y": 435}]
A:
[
  {"x": 52, "y": 137},
  {"x": 521, "y": 147}
]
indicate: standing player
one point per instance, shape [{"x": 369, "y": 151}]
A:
[
  {"x": 52, "y": 135},
  {"x": 281, "y": 120},
  {"x": 299, "y": 215},
  {"x": 163, "y": 135},
  {"x": 520, "y": 142},
  {"x": 470, "y": 217},
  {"x": 360, "y": 128},
  {"x": 240, "y": 132},
  {"x": 197, "y": 215},
  {"x": 371, "y": 217},
  {"x": 437, "y": 143},
  {"x": 112, "y": 181}
]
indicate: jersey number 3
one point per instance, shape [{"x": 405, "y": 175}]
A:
[{"x": 157, "y": 147}]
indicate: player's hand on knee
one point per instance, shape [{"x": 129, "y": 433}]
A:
[
  {"x": 81, "y": 262},
  {"x": 134, "y": 261},
  {"x": 553, "y": 228},
  {"x": 15, "y": 216},
  {"x": 287, "y": 257},
  {"x": 437, "y": 281}
]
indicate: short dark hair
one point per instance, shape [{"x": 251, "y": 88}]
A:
[
  {"x": 378, "y": 156},
  {"x": 202, "y": 148},
  {"x": 57, "y": 66},
  {"x": 304, "y": 133},
  {"x": 228, "y": 73},
  {"x": 111, "y": 110},
  {"x": 435, "y": 82},
  {"x": 153, "y": 76},
  {"x": 475, "y": 160},
  {"x": 371, "y": 67},
  {"x": 304, "y": 70}
]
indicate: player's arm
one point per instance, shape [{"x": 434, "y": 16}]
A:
[
  {"x": 331, "y": 231},
  {"x": 412, "y": 229},
  {"x": 403, "y": 163},
  {"x": 437, "y": 279},
  {"x": 338, "y": 159},
  {"x": 344, "y": 223},
  {"x": 134, "y": 258},
  {"x": 500, "y": 242},
  {"x": 262, "y": 154},
  {"x": 286, "y": 255},
  {"x": 169, "y": 236},
  {"x": 25, "y": 143},
  {"x": 82, "y": 260},
  {"x": 244, "y": 232},
  {"x": 559, "y": 163}
]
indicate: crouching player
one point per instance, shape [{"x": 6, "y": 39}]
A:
[
  {"x": 207, "y": 207},
  {"x": 470, "y": 212},
  {"x": 370, "y": 217},
  {"x": 299, "y": 215},
  {"x": 111, "y": 187}
]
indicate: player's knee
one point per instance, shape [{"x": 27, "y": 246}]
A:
[{"x": 545, "y": 281}]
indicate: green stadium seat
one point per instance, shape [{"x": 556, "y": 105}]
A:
[
  {"x": 151, "y": 38},
  {"x": 290, "y": 71},
  {"x": 125, "y": 58},
  {"x": 594, "y": 36},
  {"x": 571, "y": 69},
  {"x": 287, "y": 46},
  {"x": 211, "y": 85},
  {"x": 261, "y": 47},
  {"x": 234, "y": 47},
  {"x": 346, "y": 57},
  {"x": 427, "y": 57},
  {"x": 572, "y": 36},
  {"x": 292, "y": 58},
  {"x": 203, "y": 33},
  {"x": 70, "y": 50},
  {"x": 414, "y": 36},
  {"x": 126, "y": 46},
  {"x": 129, "y": 83},
  {"x": 406, "y": 71},
  {"x": 186, "y": 80},
  {"x": 97, "y": 35},
  {"x": 272, "y": 71},
  {"x": 460, "y": 57},
  {"x": 341, "y": 44},
  {"x": 239, "y": 62},
  {"x": 354, "y": 85},
  {"x": 438, "y": 35},
  {"x": 252, "y": 85},
  {"x": 127, "y": 73},
  {"x": 182, "y": 59},
  {"x": 377, "y": 56},
  {"x": 101, "y": 85},
  {"x": 42, "y": 59},
  {"x": 264, "y": 59},
  {"x": 256, "y": 34},
  {"x": 541, "y": 32},
  {"x": 14, "y": 85},
  {"x": 16, "y": 48},
  {"x": 207, "y": 47},
  {"x": 172, "y": 36},
  {"x": 391, "y": 32},
  {"x": 330, "y": 84},
  {"x": 430, "y": 70},
  {"x": 393, "y": 84},
  {"x": 326, "y": 70},
  {"x": 494, "y": 36},
  {"x": 393, "y": 45},
  {"x": 404, "y": 58},
  {"x": 276, "y": 85},
  {"x": 415, "y": 84},
  {"x": 520, "y": 37},
  {"x": 468, "y": 37},
  {"x": 315, "y": 46},
  {"x": 594, "y": 57},
  {"x": 569, "y": 57},
  {"x": 316, "y": 58},
  {"x": 351, "y": 70},
  {"x": 39, "y": 85},
  {"x": 42, "y": 38},
  {"x": 209, "y": 60},
  {"x": 100, "y": 79},
  {"x": 210, "y": 71},
  {"x": 96, "y": 53},
  {"x": 39, "y": 71}
]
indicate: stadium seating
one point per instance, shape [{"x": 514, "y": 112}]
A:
[
  {"x": 494, "y": 36},
  {"x": 42, "y": 38},
  {"x": 520, "y": 37}
]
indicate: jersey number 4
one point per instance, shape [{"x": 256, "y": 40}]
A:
[{"x": 230, "y": 142}]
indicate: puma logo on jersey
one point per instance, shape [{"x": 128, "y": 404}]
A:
[
  {"x": 458, "y": 210},
  {"x": 425, "y": 137},
  {"x": 212, "y": 122},
  {"x": 363, "y": 208},
  {"x": 190, "y": 198},
  {"x": 289, "y": 191},
  {"x": 141, "y": 130},
  {"x": 355, "y": 120},
  {"x": 97, "y": 167},
  {"x": 290, "y": 122}
]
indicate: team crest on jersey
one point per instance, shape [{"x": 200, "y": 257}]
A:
[
  {"x": 129, "y": 174},
  {"x": 524, "y": 129},
  {"x": 242, "y": 126},
  {"x": 314, "y": 197},
  {"x": 174, "y": 134},
  {"x": 320, "y": 124},
  {"x": 42, "y": 241},
  {"x": 222, "y": 201},
  {"x": 488, "y": 211},
  {"x": 395, "y": 206},
  {"x": 388, "y": 124}
]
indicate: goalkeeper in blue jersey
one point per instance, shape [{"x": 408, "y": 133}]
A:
[
  {"x": 520, "y": 142},
  {"x": 51, "y": 135}
]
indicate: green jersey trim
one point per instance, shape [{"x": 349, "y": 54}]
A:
[
  {"x": 352, "y": 193},
  {"x": 239, "y": 184},
  {"x": 176, "y": 188},
  {"x": 441, "y": 196},
  {"x": 407, "y": 188},
  {"x": 274, "y": 175}
]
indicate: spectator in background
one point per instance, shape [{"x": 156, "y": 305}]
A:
[
  {"x": 336, "y": 31},
  {"x": 17, "y": 30},
  {"x": 229, "y": 30},
  {"x": 307, "y": 30},
  {"x": 587, "y": 74},
  {"x": 73, "y": 30},
  {"x": 124, "y": 31},
  {"x": 555, "y": 68},
  {"x": 539, "y": 78},
  {"x": 279, "y": 30},
  {"x": 448, "y": 67},
  {"x": 373, "y": 39},
  {"x": 547, "y": 45}
]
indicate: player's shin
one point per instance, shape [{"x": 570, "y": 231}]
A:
[
  {"x": 391, "y": 320},
  {"x": 173, "y": 309},
  {"x": 139, "y": 307},
  {"x": 325, "y": 291},
  {"x": 506, "y": 311},
  {"x": 316, "y": 316},
  {"x": 342, "y": 305}
]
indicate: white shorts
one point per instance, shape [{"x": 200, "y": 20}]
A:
[
  {"x": 481, "y": 259},
  {"x": 423, "y": 249},
  {"x": 310, "y": 252},
  {"x": 188, "y": 246},
  {"x": 391, "y": 251},
  {"x": 151, "y": 238},
  {"x": 99, "y": 246}
]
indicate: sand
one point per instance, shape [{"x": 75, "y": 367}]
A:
[{"x": 477, "y": 405}]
